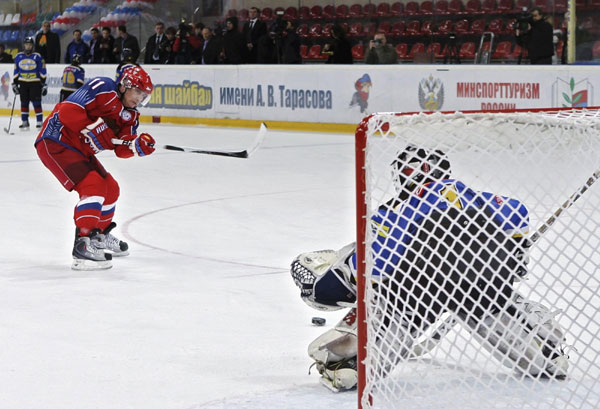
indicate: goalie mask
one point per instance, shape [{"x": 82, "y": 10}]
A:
[{"x": 416, "y": 166}]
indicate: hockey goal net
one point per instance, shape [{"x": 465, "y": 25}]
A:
[{"x": 481, "y": 288}]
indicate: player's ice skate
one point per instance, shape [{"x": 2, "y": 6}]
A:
[
  {"x": 88, "y": 256},
  {"x": 109, "y": 243},
  {"x": 24, "y": 126}
]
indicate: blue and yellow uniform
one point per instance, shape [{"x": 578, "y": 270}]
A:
[
  {"x": 72, "y": 78},
  {"x": 30, "y": 82}
]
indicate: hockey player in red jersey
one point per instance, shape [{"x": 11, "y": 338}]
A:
[{"x": 101, "y": 115}]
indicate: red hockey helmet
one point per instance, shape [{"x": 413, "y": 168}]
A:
[{"x": 136, "y": 78}]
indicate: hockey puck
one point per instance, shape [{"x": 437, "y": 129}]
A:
[{"x": 318, "y": 321}]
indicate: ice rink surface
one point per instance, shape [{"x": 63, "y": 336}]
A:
[{"x": 203, "y": 313}]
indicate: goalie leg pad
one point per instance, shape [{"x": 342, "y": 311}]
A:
[
  {"x": 334, "y": 353},
  {"x": 525, "y": 336}
]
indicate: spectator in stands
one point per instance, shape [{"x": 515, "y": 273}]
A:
[
  {"x": 47, "y": 44},
  {"x": 185, "y": 44},
  {"x": 156, "y": 52},
  {"x": 380, "y": 52},
  {"x": 126, "y": 40},
  {"x": 171, "y": 33},
  {"x": 290, "y": 50},
  {"x": 95, "y": 54},
  {"x": 234, "y": 43},
  {"x": 4, "y": 56},
  {"x": 538, "y": 39},
  {"x": 107, "y": 44},
  {"x": 77, "y": 46},
  {"x": 339, "y": 50},
  {"x": 210, "y": 50},
  {"x": 253, "y": 30}
]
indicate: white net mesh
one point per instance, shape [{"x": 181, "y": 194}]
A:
[{"x": 450, "y": 322}]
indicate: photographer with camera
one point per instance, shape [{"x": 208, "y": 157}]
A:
[
  {"x": 380, "y": 52},
  {"x": 536, "y": 34},
  {"x": 185, "y": 44}
]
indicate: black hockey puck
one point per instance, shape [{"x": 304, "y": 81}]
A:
[{"x": 318, "y": 321}]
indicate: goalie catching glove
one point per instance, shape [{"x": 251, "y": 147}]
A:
[
  {"x": 326, "y": 278},
  {"x": 140, "y": 145}
]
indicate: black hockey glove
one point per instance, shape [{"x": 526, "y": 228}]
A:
[
  {"x": 15, "y": 88},
  {"x": 44, "y": 90}
]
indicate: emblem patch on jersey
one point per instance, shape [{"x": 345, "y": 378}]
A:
[
  {"x": 498, "y": 199},
  {"x": 126, "y": 115}
]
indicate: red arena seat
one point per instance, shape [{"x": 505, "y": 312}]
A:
[
  {"x": 441, "y": 7},
  {"x": 302, "y": 30},
  {"x": 411, "y": 8},
  {"x": 467, "y": 50},
  {"x": 315, "y": 30},
  {"x": 358, "y": 52},
  {"x": 413, "y": 28},
  {"x": 402, "y": 50},
  {"x": 398, "y": 29},
  {"x": 356, "y": 11},
  {"x": 397, "y": 9},
  {"x": 316, "y": 12},
  {"x": 342, "y": 11},
  {"x": 445, "y": 27},
  {"x": 291, "y": 13},
  {"x": 462, "y": 27},
  {"x": 455, "y": 7},
  {"x": 502, "y": 50},
  {"x": 383, "y": 10},
  {"x": 473, "y": 7},
  {"x": 328, "y": 12},
  {"x": 369, "y": 10},
  {"x": 478, "y": 26},
  {"x": 426, "y": 8},
  {"x": 417, "y": 48},
  {"x": 489, "y": 6}
]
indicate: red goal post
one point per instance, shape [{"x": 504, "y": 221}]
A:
[{"x": 394, "y": 128}]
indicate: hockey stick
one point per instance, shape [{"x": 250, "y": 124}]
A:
[
  {"x": 450, "y": 322},
  {"x": 234, "y": 154},
  {"x": 7, "y": 130}
]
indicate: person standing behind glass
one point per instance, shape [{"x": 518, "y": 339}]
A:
[
  {"x": 210, "y": 49},
  {"x": 380, "y": 52},
  {"x": 95, "y": 57},
  {"x": 339, "y": 50},
  {"x": 155, "y": 47},
  {"x": 253, "y": 30},
  {"x": 47, "y": 44},
  {"x": 538, "y": 39},
  {"x": 107, "y": 43}
]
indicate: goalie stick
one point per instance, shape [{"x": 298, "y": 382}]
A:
[
  {"x": 450, "y": 322},
  {"x": 232, "y": 154}
]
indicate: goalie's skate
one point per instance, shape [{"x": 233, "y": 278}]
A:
[
  {"x": 339, "y": 376},
  {"x": 110, "y": 243},
  {"x": 87, "y": 256}
]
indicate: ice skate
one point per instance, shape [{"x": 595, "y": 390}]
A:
[
  {"x": 88, "y": 256},
  {"x": 38, "y": 125},
  {"x": 110, "y": 243},
  {"x": 24, "y": 126}
]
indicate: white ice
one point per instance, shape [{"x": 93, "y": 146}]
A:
[{"x": 203, "y": 313}]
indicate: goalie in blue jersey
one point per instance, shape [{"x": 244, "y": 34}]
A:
[{"x": 439, "y": 247}]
